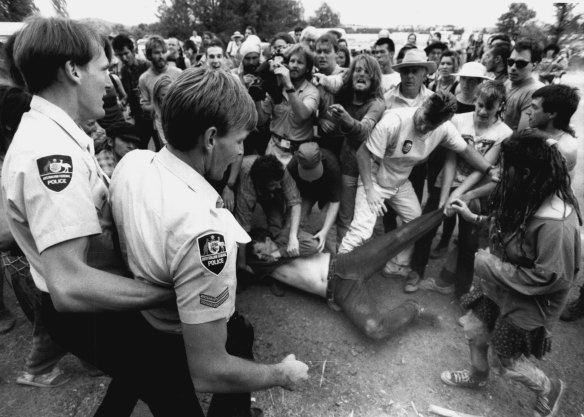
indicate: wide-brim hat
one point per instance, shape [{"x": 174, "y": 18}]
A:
[
  {"x": 236, "y": 35},
  {"x": 310, "y": 162},
  {"x": 436, "y": 45},
  {"x": 473, "y": 69},
  {"x": 416, "y": 58}
]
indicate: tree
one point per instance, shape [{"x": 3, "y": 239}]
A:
[
  {"x": 223, "y": 17},
  {"x": 325, "y": 17},
  {"x": 512, "y": 21},
  {"x": 16, "y": 10},
  {"x": 567, "y": 24},
  {"x": 60, "y": 7}
]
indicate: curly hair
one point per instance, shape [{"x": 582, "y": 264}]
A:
[
  {"x": 266, "y": 168},
  {"x": 539, "y": 172}
]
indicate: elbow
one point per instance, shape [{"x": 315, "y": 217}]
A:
[{"x": 62, "y": 299}]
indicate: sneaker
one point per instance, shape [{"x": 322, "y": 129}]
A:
[
  {"x": 429, "y": 284},
  {"x": 412, "y": 282},
  {"x": 574, "y": 310},
  {"x": 392, "y": 269},
  {"x": 462, "y": 379},
  {"x": 51, "y": 379},
  {"x": 548, "y": 405}
]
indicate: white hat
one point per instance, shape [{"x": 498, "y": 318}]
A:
[
  {"x": 383, "y": 33},
  {"x": 416, "y": 58},
  {"x": 236, "y": 35},
  {"x": 251, "y": 44},
  {"x": 474, "y": 70}
]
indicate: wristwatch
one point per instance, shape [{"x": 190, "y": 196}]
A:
[{"x": 290, "y": 90}]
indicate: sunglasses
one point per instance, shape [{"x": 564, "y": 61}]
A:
[{"x": 519, "y": 64}]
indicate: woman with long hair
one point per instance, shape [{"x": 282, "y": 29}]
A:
[
  {"x": 357, "y": 109},
  {"x": 522, "y": 281}
]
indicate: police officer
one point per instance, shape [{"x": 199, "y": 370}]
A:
[
  {"x": 57, "y": 205},
  {"x": 175, "y": 233}
]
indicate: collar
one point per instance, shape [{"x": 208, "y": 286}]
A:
[
  {"x": 58, "y": 115},
  {"x": 396, "y": 92},
  {"x": 188, "y": 175}
]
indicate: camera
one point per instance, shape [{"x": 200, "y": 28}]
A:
[{"x": 266, "y": 81}]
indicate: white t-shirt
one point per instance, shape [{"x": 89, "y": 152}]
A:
[
  {"x": 389, "y": 80},
  {"x": 395, "y": 140},
  {"x": 492, "y": 137}
]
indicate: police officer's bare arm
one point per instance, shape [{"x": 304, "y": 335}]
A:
[
  {"x": 76, "y": 287},
  {"x": 214, "y": 370}
]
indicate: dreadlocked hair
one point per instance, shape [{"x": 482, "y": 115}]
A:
[{"x": 540, "y": 172}]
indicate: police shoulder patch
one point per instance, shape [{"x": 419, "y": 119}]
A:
[
  {"x": 212, "y": 252},
  {"x": 214, "y": 302},
  {"x": 55, "y": 171}
]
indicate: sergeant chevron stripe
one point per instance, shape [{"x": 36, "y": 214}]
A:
[{"x": 214, "y": 302}]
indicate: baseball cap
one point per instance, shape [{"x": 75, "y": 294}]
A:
[{"x": 309, "y": 161}]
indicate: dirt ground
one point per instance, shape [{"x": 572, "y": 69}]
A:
[{"x": 350, "y": 376}]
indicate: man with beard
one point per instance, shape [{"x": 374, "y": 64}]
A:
[
  {"x": 132, "y": 68},
  {"x": 291, "y": 119},
  {"x": 156, "y": 54},
  {"x": 250, "y": 52},
  {"x": 521, "y": 84},
  {"x": 495, "y": 60}
]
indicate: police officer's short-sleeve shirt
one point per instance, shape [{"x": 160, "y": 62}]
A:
[
  {"x": 54, "y": 190},
  {"x": 174, "y": 233}
]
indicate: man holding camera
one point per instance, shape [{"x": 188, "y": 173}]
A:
[{"x": 291, "y": 119}]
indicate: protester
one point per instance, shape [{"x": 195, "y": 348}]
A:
[
  {"x": 343, "y": 57},
  {"x": 191, "y": 50},
  {"x": 484, "y": 130},
  {"x": 249, "y": 51},
  {"x": 264, "y": 180},
  {"x": 521, "y": 84},
  {"x": 471, "y": 75},
  {"x": 447, "y": 67},
  {"x": 122, "y": 138},
  {"x": 132, "y": 68},
  {"x": 291, "y": 120},
  {"x": 345, "y": 279},
  {"x": 495, "y": 60},
  {"x": 414, "y": 132},
  {"x": 155, "y": 53},
  {"x": 308, "y": 37},
  {"x": 214, "y": 55},
  {"x": 533, "y": 257},
  {"x": 318, "y": 177},
  {"x": 383, "y": 50},
  {"x": 158, "y": 94},
  {"x": 234, "y": 44},
  {"x": 412, "y": 39}
]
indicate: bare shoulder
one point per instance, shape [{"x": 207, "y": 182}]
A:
[{"x": 554, "y": 208}]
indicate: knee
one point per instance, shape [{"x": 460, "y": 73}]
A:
[
  {"x": 373, "y": 329},
  {"x": 475, "y": 331}
]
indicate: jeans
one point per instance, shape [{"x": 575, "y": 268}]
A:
[
  {"x": 351, "y": 285},
  {"x": 423, "y": 246},
  {"x": 346, "y": 206},
  {"x": 459, "y": 267},
  {"x": 404, "y": 202},
  {"x": 45, "y": 354}
]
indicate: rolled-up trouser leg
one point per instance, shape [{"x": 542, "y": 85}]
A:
[
  {"x": 524, "y": 371},
  {"x": 361, "y": 309},
  {"x": 477, "y": 335},
  {"x": 369, "y": 258}
]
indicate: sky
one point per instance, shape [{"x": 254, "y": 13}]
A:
[{"x": 375, "y": 13}]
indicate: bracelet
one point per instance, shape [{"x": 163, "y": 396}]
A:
[
  {"x": 290, "y": 90},
  {"x": 478, "y": 219}
]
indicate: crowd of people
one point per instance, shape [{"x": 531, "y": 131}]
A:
[{"x": 119, "y": 253}]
